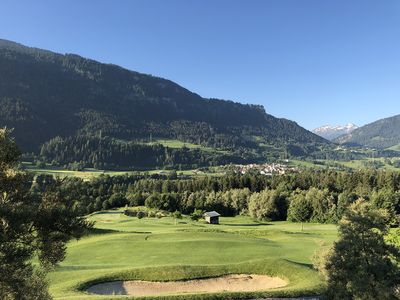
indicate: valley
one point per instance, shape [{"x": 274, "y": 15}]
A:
[{"x": 119, "y": 184}]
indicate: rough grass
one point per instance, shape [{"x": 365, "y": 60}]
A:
[{"x": 125, "y": 248}]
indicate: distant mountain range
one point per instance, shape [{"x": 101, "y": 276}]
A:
[
  {"x": 69, "y": 109},
  {"x": 332, "y": 132},
  {"x": 381, "y": 134}
]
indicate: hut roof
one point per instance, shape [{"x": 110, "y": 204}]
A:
[{"x": 211, "y": 214}]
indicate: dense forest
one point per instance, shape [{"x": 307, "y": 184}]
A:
[
  {"x": 312, "y": 196},
  {"x": 106, "y": 153},
  {"x": 45, "y": 95}
]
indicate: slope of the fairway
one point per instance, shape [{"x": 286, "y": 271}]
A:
[{"x": 162, "y": 249}]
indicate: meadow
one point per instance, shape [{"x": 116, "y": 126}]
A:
[
  {"x": 126, "y": 248},
  {"x": 89, "y": 173},
  {"x": 355, "y": 164},
  {"x": 180, "y": 144}
]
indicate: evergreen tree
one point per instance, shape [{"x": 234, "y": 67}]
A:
[{"x": 30, "y": 226}]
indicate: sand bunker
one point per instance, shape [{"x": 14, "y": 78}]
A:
[{"x": 228, "y": 283}]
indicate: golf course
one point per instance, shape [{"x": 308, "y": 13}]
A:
[{"x": 127, "y": 250}]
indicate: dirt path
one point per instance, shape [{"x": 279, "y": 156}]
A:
[{"x": 228, "y": 283}]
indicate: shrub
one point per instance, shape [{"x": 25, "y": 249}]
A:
[
  {"x": 151, "y": 214},
  {"x": 159, "y": 215},
  {"x": 177, "y": 215},
  {"x": 196, "y": 215},
  {"x": 130, "y": 213},
  {"x": 141, "y": 214}
]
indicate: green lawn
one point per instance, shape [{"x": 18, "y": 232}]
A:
[{"x": 159, "y": 249}]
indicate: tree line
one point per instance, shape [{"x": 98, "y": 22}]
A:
[{"x": 309, "y": 196}]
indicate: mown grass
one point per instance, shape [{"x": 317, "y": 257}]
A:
[{"x": 124, "y": 248}]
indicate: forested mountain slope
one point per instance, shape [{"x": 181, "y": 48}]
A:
[
  {"x": 381, "y": 134},
  {"x": 44, "y": 95}
]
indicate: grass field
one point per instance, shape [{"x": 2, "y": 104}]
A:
[
  {"x": 394, "y": 148},
  {"x": 60, "y": 172},
  {"x": 123, "y": 248},
  {"x": 180, "y": 144},
  {"x": 88, "y": 173},
  {"x": 356, "y": 164}
]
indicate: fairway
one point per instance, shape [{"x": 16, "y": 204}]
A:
[{"x": 127, "y": 248}]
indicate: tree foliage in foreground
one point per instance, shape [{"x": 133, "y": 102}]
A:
[
  {"x": 30, "y": 225},
  {"x": 361, "y": 265}
]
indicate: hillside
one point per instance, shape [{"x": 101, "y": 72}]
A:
[
  {"x": 382, "y": 134},
  {"x": 332, "y": 132},
  {"x": 54, "y": 101}
]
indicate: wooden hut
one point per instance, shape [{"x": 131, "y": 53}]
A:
[{"x": 212, "y": 217}]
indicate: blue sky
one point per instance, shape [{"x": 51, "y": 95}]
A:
[{"x": 313, "y": 61}]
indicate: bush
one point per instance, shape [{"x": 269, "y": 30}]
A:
[
  {"x": 130, "y": 213},
  {"x": 151, "y": 214},
  {"x": 141, "y": 214},
  {"x": 177, "y": 215},
  {"x": 196, "y": 215},
  {"x": 159, "y": 215}
]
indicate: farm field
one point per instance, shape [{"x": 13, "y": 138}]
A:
[{"x": 128, "y": 248}]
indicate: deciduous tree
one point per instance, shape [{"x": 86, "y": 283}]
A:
[{"x": 361, "y": 264}]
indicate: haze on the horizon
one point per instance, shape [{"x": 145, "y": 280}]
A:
[{"x": 315, "y": 62}]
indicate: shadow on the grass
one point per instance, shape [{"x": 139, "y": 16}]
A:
[{"x": 248, "y": 225}]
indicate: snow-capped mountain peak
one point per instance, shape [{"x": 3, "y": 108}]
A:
[{"x": 330, "y": 132}]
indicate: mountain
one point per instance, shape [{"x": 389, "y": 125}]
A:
[
  {"x": 58, "y": 103},
  {"x": 381, "y": 134},
  {"x": 332, "y": 132}
]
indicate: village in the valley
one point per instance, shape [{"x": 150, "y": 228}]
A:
[{"x": 265, "y": 169}]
